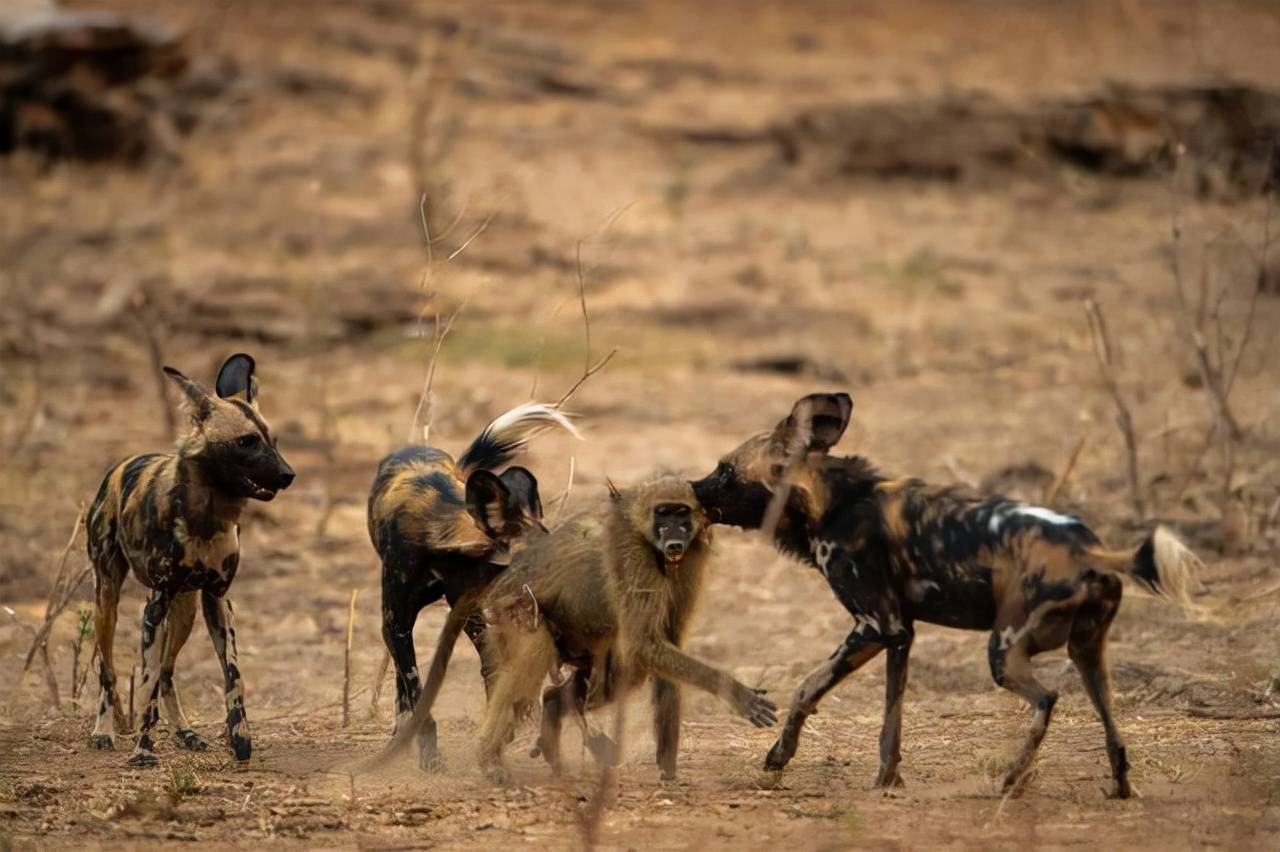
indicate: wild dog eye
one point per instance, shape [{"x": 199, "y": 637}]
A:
[{"x": 248, "y": 442}]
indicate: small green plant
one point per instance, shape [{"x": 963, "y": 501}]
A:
[{"x": 183, "y": 781}]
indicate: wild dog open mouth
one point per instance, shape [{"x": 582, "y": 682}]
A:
[{"x": 257, "y": 491}]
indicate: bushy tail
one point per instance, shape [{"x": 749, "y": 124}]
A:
[
  {"x": 509, "y": 433},
  {"x": 1162, "y": 565}
]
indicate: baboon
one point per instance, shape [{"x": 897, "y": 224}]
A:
[
  {"x": 897, "y": 550},
  {"x": 443, "y": 528},
  {"x": 174, "y": 519},
  {"x": 608, "y": 595}
]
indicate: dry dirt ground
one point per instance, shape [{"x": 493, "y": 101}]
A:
[{"x": 950, "y": 305}]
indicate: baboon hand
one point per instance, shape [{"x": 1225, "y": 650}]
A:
[{"x": 755, "y": 708}]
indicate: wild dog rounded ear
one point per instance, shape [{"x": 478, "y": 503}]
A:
[
  {"x": 818, "y": 420},
  {"x": 236, "y": 379},
  {"x": 199, "y": 405},
  {"x": 490, "y": 502},
  {"x": 523, "y": 486}
]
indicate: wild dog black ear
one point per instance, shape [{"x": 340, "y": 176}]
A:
[
  {"x": 524, "y": 490},
  {"x": 199, "y": 404},
  {"x": 816, "y": 422},
  {"x": 489, "y": 501},
  {"x": 236, "y": 380},
  {"x": 829, "y": 415}
]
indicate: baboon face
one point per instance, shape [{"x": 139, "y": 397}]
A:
[
  {"x": 674, "y": 528},
  {"x": 739, "y": 490},
  {"x": 229, "y": 436}
]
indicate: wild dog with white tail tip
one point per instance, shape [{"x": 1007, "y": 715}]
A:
[
  {"x": 444, "y": 528},
  {"x": 897, "y": 551},
  {"x": 174, "y": 519}
]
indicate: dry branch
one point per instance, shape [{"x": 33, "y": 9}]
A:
[
  {"x": 59, "y": 596},
  {"x": 378, "y": 681},
  {"x": 1055, "y": 490},
  {"x": 1124, "y": 420},
  {"x": 588, "y": 369},
  {"x": 346, "y": 660},
  {"x": 148, "y": 318}
]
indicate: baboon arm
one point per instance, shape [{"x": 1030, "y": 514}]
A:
[{"x": 663, "y": 659}]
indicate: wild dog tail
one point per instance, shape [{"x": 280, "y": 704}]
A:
[
  {"x": 509, "y": 433},
  {"x": 1162, "y": 565}
]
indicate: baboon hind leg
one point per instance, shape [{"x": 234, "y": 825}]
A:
[
  {"x": 110, "y": 570},
  {"x": 182, "y": 615}
]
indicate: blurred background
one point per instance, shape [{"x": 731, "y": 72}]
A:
[{"x": 1034, "y": 240}]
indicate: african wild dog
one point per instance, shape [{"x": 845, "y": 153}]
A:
[
  {"x": 898, "y": 551},
  {"x": 443, "y": 528},
  {"x": 174, "y": 519}
]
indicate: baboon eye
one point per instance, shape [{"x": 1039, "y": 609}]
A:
[
  {"x": 777, "y": 470},
  {"x": 247, "y": 442}
]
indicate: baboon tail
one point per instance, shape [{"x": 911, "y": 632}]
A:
[
  {"x": 1162, "y": 565},
  {"x": 509, "y": 433}
]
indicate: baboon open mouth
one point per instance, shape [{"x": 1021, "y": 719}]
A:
[
  {"x": 673, "y": 556},
  {"x": 257, "y": 491}
]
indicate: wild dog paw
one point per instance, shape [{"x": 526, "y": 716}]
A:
[
  {"x": 497, "y": 774},
  {"x": 143, "y": 758},
  {"x": 190, "y": 740},
  {"x": 779, "y": 756},
  {"x": 431, "y": 761},
  {"x": 102, "y": 742}
]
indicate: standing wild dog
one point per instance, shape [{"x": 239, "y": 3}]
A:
[
  {"x": 898, "y": 551},
  {"x": 443, "y": 528},
  {"x": 174, "y": 518},
  {"x": 609, "y": 594}
]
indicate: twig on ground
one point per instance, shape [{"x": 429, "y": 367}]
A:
[
  {"x": 1055, "y": 490},
  {"x": 59, "y": 595},
  {"x": 588, "y": 369},
  {"x": 346, "y": 660},
  {"x": 1124, "y": 420},
  {"x": 564, "y": 495},
  {"x": 147, "y": 315},
  {"x": 378, "y": 681}
]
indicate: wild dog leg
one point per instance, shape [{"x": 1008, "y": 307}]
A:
[
  {"x": 1087, "y": 648},
  {"x": 106, "y": 604},
  {"x": 895, "y": 685},
  {"x": 1011, "y": 668},
  {"x": 852, "y": 654},
  {"x": 218, "y": 618},
  {"x": 182, "y": 615},
  {"x": 153, "y": 641},
  {"x": 666, "y": 724}
]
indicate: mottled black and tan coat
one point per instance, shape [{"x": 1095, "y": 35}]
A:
[
  {"x": 174, "y": 520},
  {"x": 897, "y": 551},
  {"x": 443, "y": 528}
]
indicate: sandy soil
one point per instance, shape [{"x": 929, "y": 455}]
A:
[{"x": 950, "y": 308}]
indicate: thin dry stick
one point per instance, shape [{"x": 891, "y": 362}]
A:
[
  {"x": 346, "y": 660},
  {"x": 1055, "y": 490},
  {"x": 1253, "y": 299},
  {"x": 1102, "y": 351},
  {"x": 564, "y": 495},
  {"x": 423, "y": 412},
  {"x": 588, "y": 369},
  {"x": 132, "y": 722},
  {"x": 60, "y": 595},
  {"x": 50, "y": 679},
  {"x": 377, "y": 682},
  {"x": 1209, "y": 375},
  {"x": 148, "y": 319}
]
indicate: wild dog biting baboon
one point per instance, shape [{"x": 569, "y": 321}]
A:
[
  {"x": 896, "y": 551},
  {"x": 442, "y": 528},
  {"x": 609, "y": 594},
  {"x": 174, "y": 518}
]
